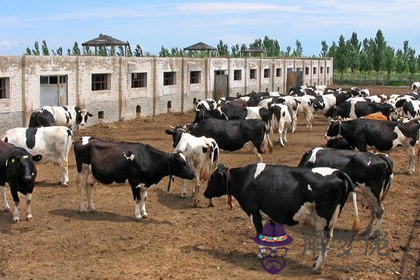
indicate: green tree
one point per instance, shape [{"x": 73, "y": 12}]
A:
[
  {"x": 44, "y": 48},
  {"x": 120, "y": 51},
  {"x": 177, "y": 52},
  {"x": 400, "y": 62},
  {"x": 353, "y": 49},
  {"x": 324, "y": 49},
  {"x": 378, "y": 46},
  {"x": 35, "y": 50},
  {"x": 235, "y": 50},
  {"x": 68, "y": 51},
  {"x": 164, "y": 52},
  {"x": 138, "y": 51},
  {"x": 297, "y": 52},
  {"x": 76, "y": 49},
  {"x": 129, "y": 51},
  {"x": 341, "y": 56},
  {"x": 271, "y": 47},
  {"x": 28, "y": 51},
  {"x": 411, "y": 61},
  {"x": 288, "y": 51},
  {"x": 102, "y": 51},
  {"x": 365, "y": 57},
  {"x": 222, "y": 49},
  {"x": 389, "y": 59},
  {"x": 59, "y": 51},
  {"x": 332, "y": 50}
]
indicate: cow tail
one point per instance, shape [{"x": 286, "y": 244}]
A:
[
  {"x": 350, "y": 190},
  {"x": 266, "y": 144},
  {"x": 389, "y": 174}
]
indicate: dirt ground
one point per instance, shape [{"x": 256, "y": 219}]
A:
[{"x": 181, "y": 242}]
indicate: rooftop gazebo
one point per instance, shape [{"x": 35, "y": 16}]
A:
[
  {"x": 200, "y": 47},
  {"x": 104, "y": 41},
  {"x": 254, "y": 50}
]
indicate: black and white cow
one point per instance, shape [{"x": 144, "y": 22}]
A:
[
  {"x": 292, "y": 103},
  {"x": 408, "y": 108},
  {"x": 384, "y": 136},
  {"x": 280, "y": 121},
  {"x": 19, "y": 172},
  {"x": 229, "y": 111},
  {"x": 372, "y": 174},
  {"x": 415, "y": 86},
  {"x": 206, "y": 104},
  {"x": 52, "y": 143},
  {"x": 101, "y": 161},
  {"x": 289, "y": 195},
  {"x": 202, "y": 154},
  {"x": 357, "y": 109},
  {"x": 232, "y": 135},
  {"x": 73, "y": 117}
]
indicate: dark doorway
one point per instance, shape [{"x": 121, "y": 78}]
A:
[{"x": 220, "y": 84}]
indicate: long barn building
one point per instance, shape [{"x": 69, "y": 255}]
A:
[{"x": 118, "y": 88}]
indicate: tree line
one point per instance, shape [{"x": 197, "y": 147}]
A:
[{"x": 350, "y": 55}]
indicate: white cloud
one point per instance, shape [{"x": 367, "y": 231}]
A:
[{"x": 8, "y": 44}]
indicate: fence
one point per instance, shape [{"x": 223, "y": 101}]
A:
[{"x": 359, "y": 79}]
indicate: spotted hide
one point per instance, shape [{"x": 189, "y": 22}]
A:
[
  {"x": 73, "y": 117},
  {"x": 52, "y": 143},
  {"x": 106, "y": 162},
  {"x": 383, "y": 136},
  {"x": 290, "y": 195},
  {"x": 372, "y": 174},
  {"x": 19, "y": 172}
]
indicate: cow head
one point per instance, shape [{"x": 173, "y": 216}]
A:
[
  {"x": 176, "y": 133},
  {"x": 21, "y": 168},
  {"x": 179, "y": 167},
  {"x": 333, "y": 130},
  {"x": 82, "y": 117},
  {"x": 332, "y": 112},
  {"x": 217, "y": 183}
]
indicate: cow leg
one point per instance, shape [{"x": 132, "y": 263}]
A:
[
  {"x": 294, "y": 124},
  {"x": 196, "y": 193},
  {"x": 3, "y": 195},
  {"x": 82, "y": 177},
  {"x": 28, "y": 198},
  {"x": 284, "y": 135},
  {"x": 16, "y": 202},
  {"x": 143, "y": 196},
  {"x": 411, "y": 164},
  {"x": 89, "y": 194},
  {"x": 65, "y": 173},
  {"x": 183, "y": 189},
  {"x": 324, "y": 237},
  {"x": 367, "y": 198},
  {"x": 136, "y": 197}
]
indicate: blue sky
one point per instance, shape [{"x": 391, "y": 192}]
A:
[{"x": 154, "y": 23}]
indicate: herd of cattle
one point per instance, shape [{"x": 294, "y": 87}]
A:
[{"x": 312, "y": 193}]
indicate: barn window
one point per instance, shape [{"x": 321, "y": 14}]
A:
[
  {"x": 266, "y": 73},
  {"x": 195, "y": 77},
  {"x": 306, "y": 70},
  {"x": 237, "y": 75},
  {"x": 100, "y": 81},
  {"x": 138, "y": 109},
  {"x": 138, "y": 80},
  {"x": 169, "y": 78},
  {"x": 321, "y": 70},
  {"x": 4, "y": 88},
  {"x": 328, "y": 69},
  {"x": 101, "y": 114},
  {"x": 314, "y": 70},
  {"x": 278, "y": 72},
  {"x": 169, "y": 105},
  {"x": 253, "y": 73}
]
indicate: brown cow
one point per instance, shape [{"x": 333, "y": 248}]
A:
[{"x": 376, "y": 116}]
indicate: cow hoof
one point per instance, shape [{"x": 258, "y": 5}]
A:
[
  {"x": 409, "y": 172},
  {"x": 317, "y": 271},
  {"x": 183, "y": 195},
  {"x": 145, "y": 217},
  {"x": 29, "y": 218},
  {"x": 6, "y": 210},
  {"x": 138, "y": 219},
  {"x": 211, "y": 205},
  {"x": 65, "y": 185},
  {"x": 16, "y": 220}
]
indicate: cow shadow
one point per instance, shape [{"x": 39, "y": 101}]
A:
[
  {"x": 249, "y": 261},
  {"x": 47, "y": 184},
  {"x": 101, "y": 216},
  {"x": 173, "y": 200}
]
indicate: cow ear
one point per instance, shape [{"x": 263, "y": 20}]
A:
[
  {"x": 170, "y": 132},
  {"x": 37, "y": 157}
]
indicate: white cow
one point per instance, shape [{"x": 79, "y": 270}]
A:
[
  {"x": 292, "y": 104},
  {"x": 201, "y": 154},
  {"x": 69, "y": 116},
  {"x": 280, "y": 121},
  {"x": 52, "y": 143}
]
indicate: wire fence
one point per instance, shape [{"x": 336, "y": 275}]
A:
[{"x": 374, "y": 79}]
